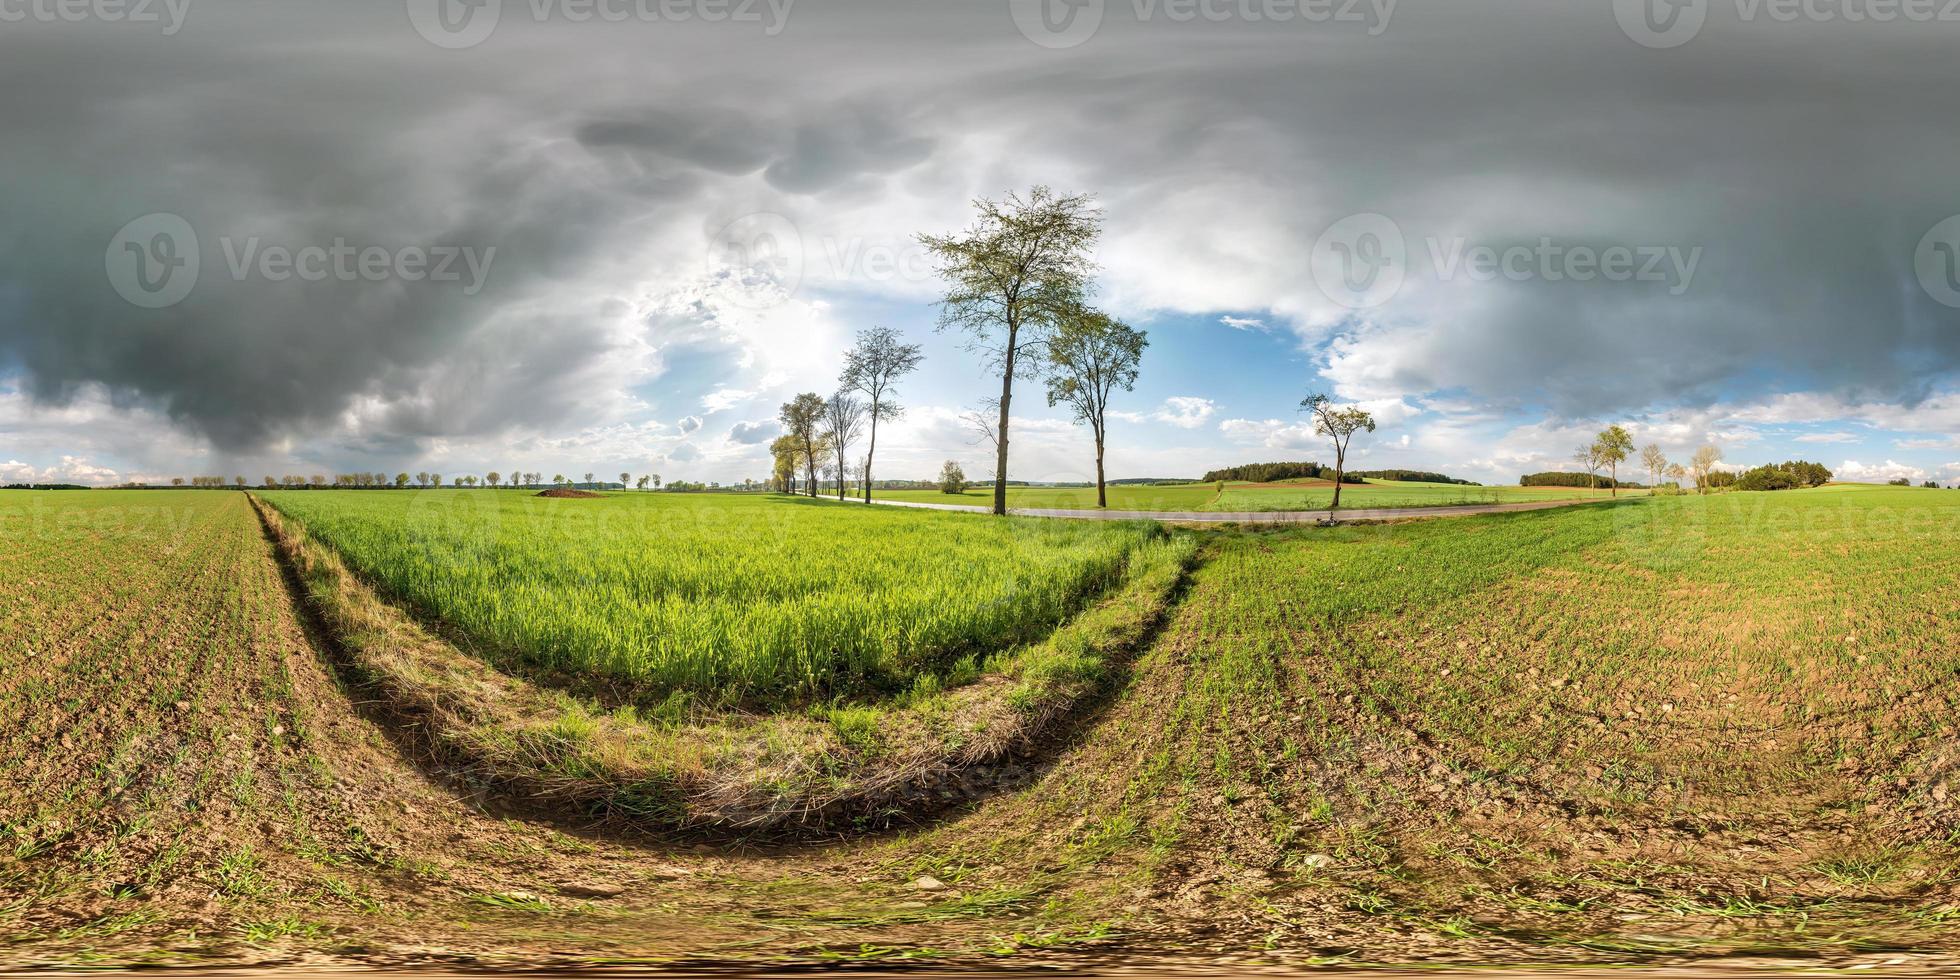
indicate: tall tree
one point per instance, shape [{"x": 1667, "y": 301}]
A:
[
  {"x": 843, "y": 422},
  {"x": 1703, "y": 463},
  {"x": 1012, "y": 275},
  {"x": 873, "y": 368},
  {"x": 1613, "y": 445},
  {"x": 1339, "y": 425},
  {"x": 802, "y": 419},
  {"x": 1089, "y": 357},
  {"x": 1655, "y": 462}
]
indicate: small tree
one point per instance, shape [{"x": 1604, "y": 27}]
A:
[
  {"x": 401, "y": 480},
  {"x": 784, "y": 451},
  {"x": 1612, "y": 447},
  {"x": 1588, "y": 458},
  {"x": 1090, "y": 356},
  {"x": 873, "y": 367},
  {"x": 1339, "y": 425},
  {"x": 952, "y": 479},
  {"x": 588, "y": 481},
  {"x": 1703, "y": 463},
  {"x": 495, "y": 478},
  {"x": 641, "y": 483},
  {"x": 1655, "y": 463},
  {"x": 625, "y": 480},
  {"x": 656, "y": 481},
  {"x": 843, "y": 422},
  {"x": 176, "y": 481}
]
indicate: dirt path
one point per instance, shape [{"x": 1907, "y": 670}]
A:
[{"x": 1254, "y": 517}]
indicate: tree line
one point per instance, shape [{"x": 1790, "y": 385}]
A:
[{"x": 1275, "y": 472}]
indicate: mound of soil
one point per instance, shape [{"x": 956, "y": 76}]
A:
[{"x": 567, "y": 492}]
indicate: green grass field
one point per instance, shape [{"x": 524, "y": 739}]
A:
[
  {"x": 1261, "y": 497},
  {"x": 721, "y": 596},
  {"x": 1676, "y": 727}
]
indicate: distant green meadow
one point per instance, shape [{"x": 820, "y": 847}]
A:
[
  {"x": 728, "y": 598},
  {"x": 1254, "y": 497}
]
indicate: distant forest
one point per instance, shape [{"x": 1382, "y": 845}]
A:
[
  {"x": 1557, "y": 479},
  {"x": 1272, "y": 472}
]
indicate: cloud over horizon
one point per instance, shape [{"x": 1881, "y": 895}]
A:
[{"x": 612, "y": 169}]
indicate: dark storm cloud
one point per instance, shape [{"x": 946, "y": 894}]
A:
[{"x": 1806, "y": 161}]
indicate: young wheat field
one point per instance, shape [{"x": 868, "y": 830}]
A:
[{"x": 718, "y": 596}]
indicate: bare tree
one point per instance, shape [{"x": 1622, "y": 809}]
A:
[
  {"x": 979, "y": 421},
  {"x": 1089, "y": 357},
  {"x": 1339, "y": 425},
  {"x": 843, "y": 422},
  {"x": 1588, "y": 457},
  {"x": 873, "y": 368},
  {"x": 1703, "y": 463},
  {"x": 1012, "y": 275},
  {"x": 1655, "y": 462}
]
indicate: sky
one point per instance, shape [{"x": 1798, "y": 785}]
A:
[{"x": 261, "y": 237}]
